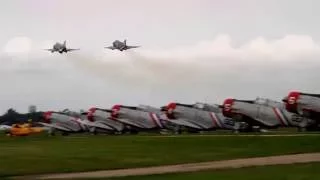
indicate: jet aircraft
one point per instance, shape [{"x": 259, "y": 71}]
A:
[
  {"x": 121, "y": 46},
  {"x": 60, "y": 48}
]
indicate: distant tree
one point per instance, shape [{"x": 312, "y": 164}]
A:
[
  {"x": 32, "y": 109},
  {"x": 11, "y": 111}
]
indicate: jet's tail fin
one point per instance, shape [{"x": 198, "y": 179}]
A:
[
  {"x": 125, "y": 42},
  {"x": 64, "y": 42}
]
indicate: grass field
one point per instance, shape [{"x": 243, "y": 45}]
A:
[
  {"x": 38, "y": 154},
  {"x": 309, "y": 171}
]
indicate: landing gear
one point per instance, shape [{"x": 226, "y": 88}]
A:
[
  {"x": 133, "y": 131},
  {"x": 302, "y": 129},
  {"x": 51, "y": 132},
  {"x": 177, "y": 130},
  {"x": 65, "y": 134}
]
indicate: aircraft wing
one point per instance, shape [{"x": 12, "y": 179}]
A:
[
  {"x": 73, "y": 49},
  {"x": 55, "y": 126},
  {"x": 264, "y": 122},
  {"x": 4, "y": 127},
  {"x": 184, "y": 122},
  {"x": 49, "y": 49},
  {"x": 131, "y": 123},
  {"x": 130, "y": 47},
  {"x": 110, "y": 47},
  {"x": 98, "y": 125}
]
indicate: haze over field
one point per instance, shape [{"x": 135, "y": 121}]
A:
[{"x": 203, "y": 50}]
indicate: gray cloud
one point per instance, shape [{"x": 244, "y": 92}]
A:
[{"x": 207, "y": 71}]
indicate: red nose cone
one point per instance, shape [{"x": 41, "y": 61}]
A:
[
  {"x": 227, "y": 107},
  {"x": 291, "y": 104},
  {"x": 115, "y": 110},
  {"x": 169, "y": 110},
  {"x": 90, "y": 114},
  {"x": 47, "y": 116}
]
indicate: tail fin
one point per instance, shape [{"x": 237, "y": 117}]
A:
[
  {"x": 125, "y": 42},
  {"x": 64, "y": 42}
]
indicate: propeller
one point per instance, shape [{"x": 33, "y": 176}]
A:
[{"x": 169, "y": 110}]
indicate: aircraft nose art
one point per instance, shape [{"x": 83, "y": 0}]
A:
[
  {"x": 227, "y": 107},
  {"x": 115, "y": 110},
  {"x": 47, "y": 115},
  {"x": 90, "y": 114},
  {"x": 291, "y": 103}
]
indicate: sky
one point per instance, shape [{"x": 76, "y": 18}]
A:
[{"x": 191, "y": 51}]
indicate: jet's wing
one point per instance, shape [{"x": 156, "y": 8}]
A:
[
  {"x": 130, "y": 47},
  {"x": 55, "y": 126},
  {"x": 73, "y": 49},
  {"x": 184, "y": 122},
  {"x": 110, "y": 47},
  {"x": 49, "y": 49}
]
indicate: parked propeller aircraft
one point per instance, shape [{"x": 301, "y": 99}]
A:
[
  {"x": 121, "y": 46},
  {"x": 60, "y": 48},
  {"x": 103, "y": 116},
  {"x": 5, "y": 127},
  {"x": 137, "y": 118},
  {"x": 64, "y": 122},
  {"x": 304, "y": 104},
  {"x": 24, "y": 129},
  {"x": 199, "y": 117},
  {"x": 263, "y": 113}
]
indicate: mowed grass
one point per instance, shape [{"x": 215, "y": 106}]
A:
[
  {"x": 38, "y": 154},
  {"x": 308, "y": 171}
]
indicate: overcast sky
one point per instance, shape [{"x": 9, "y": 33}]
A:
[{"x": 192, "y": 51}]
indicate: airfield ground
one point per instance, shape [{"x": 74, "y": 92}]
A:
[
  {"x": 305, "y": 171},
  {"x": 40, "y": 154}
]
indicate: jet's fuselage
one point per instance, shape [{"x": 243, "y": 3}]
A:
[{"x": 119, "y": 45}]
